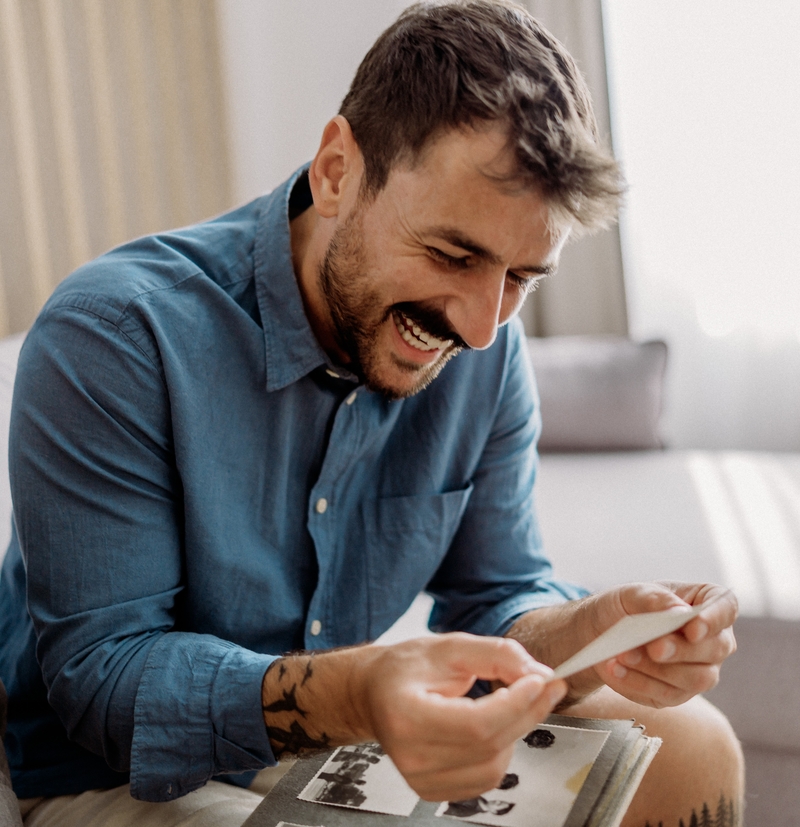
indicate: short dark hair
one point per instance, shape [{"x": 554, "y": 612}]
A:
[{"x": 448, "y": 65}]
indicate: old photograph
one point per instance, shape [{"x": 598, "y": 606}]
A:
[
  {"x": 543, "y": 780},
  {"x": 362, "y": 777}
]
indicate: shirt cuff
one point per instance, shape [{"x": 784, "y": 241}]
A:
[{"x": 198, "y": 714}]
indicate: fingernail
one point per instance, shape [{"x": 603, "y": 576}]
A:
[
  {"x": 618, "y": 670},
  {"x": 667, "y": 650},
  {"x": 632, "y": 658},
  {"x": 533, "y": 667}
]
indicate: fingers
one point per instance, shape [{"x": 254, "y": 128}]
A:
[
  {"x": 722, "y": 610},
  {"x": 665, "y": 686},
  {"x": 635, "y": 598},
  {"x": 675, "y": 648},
  {"x": 673, "y": 668},
  {"x": 488, "y": 658},
  {"x": 670, "y": 670},
  {"x": 482, "y": 726},
  {"x": 449, "y": 747},
  {"x": 473, "y": 740},
  {"x": 513, "y": 711},
  {"x": 460, "y": 783},
  {"x": 718, "y": 617}
]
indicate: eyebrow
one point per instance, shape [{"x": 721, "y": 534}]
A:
[{"x": 455, "y": 238}]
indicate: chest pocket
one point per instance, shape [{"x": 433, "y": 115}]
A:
[{"x": 407, "y": 538}]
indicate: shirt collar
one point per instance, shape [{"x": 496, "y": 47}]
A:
[{"x": 292, "y": 350}]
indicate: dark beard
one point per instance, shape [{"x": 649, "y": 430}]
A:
[{"x": 357, "y": 314}]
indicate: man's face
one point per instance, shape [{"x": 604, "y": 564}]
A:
[{"x": 434, "y": 263}]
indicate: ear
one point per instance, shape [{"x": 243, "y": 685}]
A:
[{"x": 335, "y": 173}]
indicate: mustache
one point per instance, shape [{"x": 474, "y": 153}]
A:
[{"x": 432, "y": 320}]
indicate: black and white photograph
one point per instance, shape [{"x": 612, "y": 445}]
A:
[
  {"x": 362, "y": 777},
  {"x": 543, "y": 780}
]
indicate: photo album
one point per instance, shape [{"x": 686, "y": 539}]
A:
[{"x": 568, "y": 772}]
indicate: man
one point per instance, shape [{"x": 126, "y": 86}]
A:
[{"x": 250, "y": 437}]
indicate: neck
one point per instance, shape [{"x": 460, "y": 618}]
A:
[{"x": 308, "y": 250}]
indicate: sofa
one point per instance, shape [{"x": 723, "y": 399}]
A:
[{"x": 617, "y": 506}]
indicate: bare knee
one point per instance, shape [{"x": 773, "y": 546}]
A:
[{"x": 700, "y": 766}]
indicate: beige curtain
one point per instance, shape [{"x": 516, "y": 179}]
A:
[
  {"x": 112, "y": 125},
  {"x": 587, "y": 295}
]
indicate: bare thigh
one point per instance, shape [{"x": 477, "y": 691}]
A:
[{"x": 699, "y": 765}]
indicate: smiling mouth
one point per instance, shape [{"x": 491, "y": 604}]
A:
[{"x": 417, "y": 336}]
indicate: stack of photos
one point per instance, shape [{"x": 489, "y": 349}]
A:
[{"x": 568, "y": 772}]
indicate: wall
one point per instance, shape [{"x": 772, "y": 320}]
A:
[
  {"x": 707, "y": 126},
  {"x": 288, "y": 66}
]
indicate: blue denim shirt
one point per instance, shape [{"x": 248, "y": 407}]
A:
[{"x": 195, "y": 493}]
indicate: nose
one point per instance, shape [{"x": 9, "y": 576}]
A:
[{"x": 475, "y": 312}]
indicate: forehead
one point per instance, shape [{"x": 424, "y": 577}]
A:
[{"x": 464, "y": 179}]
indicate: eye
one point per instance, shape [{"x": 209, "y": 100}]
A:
[
  {"x": 453, "y": 262},
  {"x": 526, "y": 283}
]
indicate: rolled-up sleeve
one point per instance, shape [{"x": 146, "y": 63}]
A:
[
  {"x": 496, "y": 569},
  {"x": 98, "y": 511}
]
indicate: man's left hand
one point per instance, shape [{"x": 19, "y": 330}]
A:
[
  {"x": 671, "y": 669},
  {"x": 666, "y": 672}
]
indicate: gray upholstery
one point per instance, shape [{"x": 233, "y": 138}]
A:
[{"x": 599, "y": 393}]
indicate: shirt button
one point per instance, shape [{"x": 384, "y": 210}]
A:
[
  {"x": 350, "y": 399},
  {"x": 322, "y": 505},
  {"x": 316, "y": 627}
]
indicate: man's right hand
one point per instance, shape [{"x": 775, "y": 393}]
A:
[{"x": 410, "y": 698}]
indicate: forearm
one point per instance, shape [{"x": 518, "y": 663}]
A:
[
  {"x": 312, "y": 701},
  {"x": 410, "y": 697},
  {"x": 554, "y": 633}
]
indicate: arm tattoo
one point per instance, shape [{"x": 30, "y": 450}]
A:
[
  {"x": 283, "y": 715},
  {"x": 295, "y": 740},
  {"x": 288, "y": 703}
]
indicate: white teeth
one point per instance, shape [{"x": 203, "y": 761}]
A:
[{"x": 420, "y": 339}]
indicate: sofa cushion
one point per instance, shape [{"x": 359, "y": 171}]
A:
[{"x": 598, "y": 393}]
